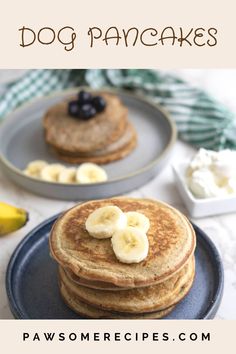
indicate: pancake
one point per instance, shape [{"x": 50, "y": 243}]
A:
[
  {"x": 99, "y": 285},
  {"x": 92, "y": 284},
  {"x": 148, "y": 299},
  {"x": 76, "y": 135},
  {"x": 103, "y": 159},
  {"x": 89, "y": 311},
  {"x": 171, "y": 243},
  {"x": 125, "y": 139}
]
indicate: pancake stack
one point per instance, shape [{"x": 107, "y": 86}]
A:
[
  {"x": 107, "y": 137},
  {"x": 94, "y": 284}
]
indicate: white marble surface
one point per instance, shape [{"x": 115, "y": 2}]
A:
[{"x": 221, "y": 229}]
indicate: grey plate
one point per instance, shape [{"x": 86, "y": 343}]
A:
[{"x": 22, "y": 140}]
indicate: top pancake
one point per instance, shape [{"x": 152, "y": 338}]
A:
[
  {"x": 75, "y": 135},
  {"x": 171, "y": 243}
]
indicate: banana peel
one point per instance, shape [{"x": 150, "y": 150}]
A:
[{"x": 11, "y": 218}]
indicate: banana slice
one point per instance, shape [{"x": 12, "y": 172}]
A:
[
  {"x": 50, "y": 173},
  {"x": 104, "y": 221},
  {"x": 130, "y": 245},
  {"x": 90, "y": 173},
  {"x": 67, "y": 175},
  {"x": 137, "y": 220},
  {"x": 27, "y": 173},
  {"x": 34, "y": 168}
]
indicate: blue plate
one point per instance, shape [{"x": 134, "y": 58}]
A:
[{"x": 33, "y": 293}]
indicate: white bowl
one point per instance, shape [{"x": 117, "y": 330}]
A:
[{"x": 198, "y": 207}]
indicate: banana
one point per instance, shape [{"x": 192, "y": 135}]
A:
[
  {"x": 90, "y": 173},
  {"x": 11, "y": 218},
  {"x": 137, "y": 220},
  {"x": 104, "y": 221},
  {"x": 50, "y": 173},
  {"x": 86, "y": 173},
  {"x": 67, "y": 175},
  {"x": 34, "y": 168},
  {"x": 130, "y": 245}
]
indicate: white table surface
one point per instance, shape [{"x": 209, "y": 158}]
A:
[{"x": 221, "y": 229}]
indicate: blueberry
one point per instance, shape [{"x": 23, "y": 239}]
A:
[
  {"x": 87, "y": 111},
  {"x": 73, "y": 109},
  {"x": 99, "y": 103},
  {"x": 84, "y": 97}
]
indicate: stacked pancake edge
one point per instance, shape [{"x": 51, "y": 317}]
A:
[
  {"x": 107, "y": 137},
  {"x": 94, "y": 284}
]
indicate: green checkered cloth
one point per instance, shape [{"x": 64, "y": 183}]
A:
[{"x": 201, "y": 120}]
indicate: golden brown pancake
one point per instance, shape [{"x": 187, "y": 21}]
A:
[
  {"x": 171, "y": 244},
  {"x": 92, "y": 284},
  {"x": 141, "y": 300},
  {"x": 74, "y": 135},
  {"x": 103, "y": 159},
  {"x": 125, "y": 139},
  {"x": 89, "y": 311}
]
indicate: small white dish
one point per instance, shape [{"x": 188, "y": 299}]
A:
[{"x": 198, "y": 207}]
